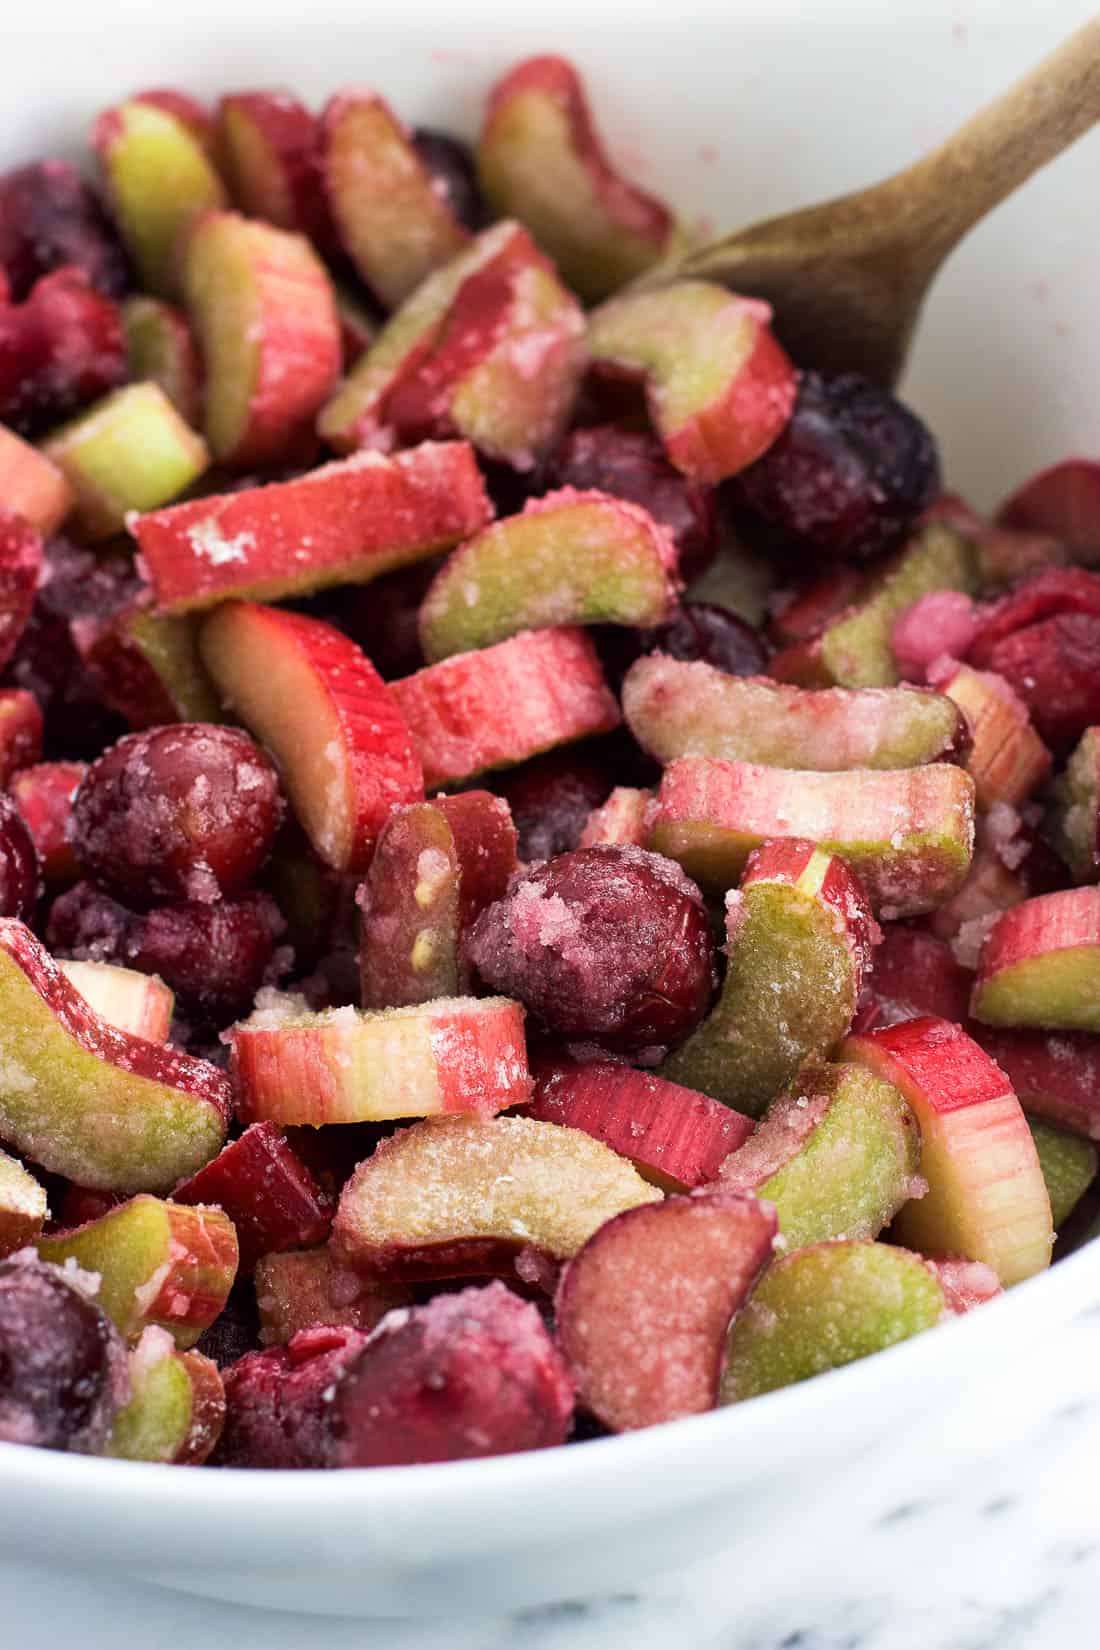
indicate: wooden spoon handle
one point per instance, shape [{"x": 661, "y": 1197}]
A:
[{"x": 1000, "y": 147}]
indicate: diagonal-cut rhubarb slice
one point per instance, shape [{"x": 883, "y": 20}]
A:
[
  {"x": 1063, "y": 501},
  {"x": 908, "y": 834},
  {"x": 799, "y": 942},
  {"x": 1007, "y": 759},
  {"x": 837, "y": 1156},
  {"x": 267, "y": 1191},
  {"x": 146, "y": 665},
  {"x": 270, "y": 150},
  {"x": 456, "y": 1054},
  {"x": 23, "y": 1208},
  {"x": 130, "y": 451},
  {"x": 986, "y": 1198},
  {"x": 644, "y": 1309},
  {"x": 568, "y": 558},
  {"x": 301, "y": 1288},
  {"x": 916, "y": 973},
  {"x": 158, "y": 1263},
  {"x": 1074, "y": 815},
  {"x": 502, "y": 704},
  {"x": 31, "y": 485},
  {"x": 540, "y": 159},
  {"x": 1069, "y": 1166},
  {"x": 826, "y": 1306},
  {"x": 160, "y": 348},
  {"x": 1040, "y": 964},
  {"x": 319, "y": 706},
  {"x": 490, "y": 347},
  {"x": 394, "y": 222},
  {"x": 176, "y": 1407},
  {"x": 622, "y": 819},
  {"x": 719, "y": 387},
  {"x": 1056, "y": 1075},
  {"x": 676, "y": 1137},
  {"x": 140, "y": 1004},
  {"x": 44, "y": 795},
  {"x": 264, "y": 311},
  {"x": 341, "y": 524},
  {"x": 461, "y": 1196},
  {"x": 853, "y": 649},
  {"x": 678, "y": 707},
  {"x": 85, "y": 1100},
  {"x": 158, "y": 177}
]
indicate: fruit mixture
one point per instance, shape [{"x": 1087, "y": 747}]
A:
[{"x": 549, "y": 873}]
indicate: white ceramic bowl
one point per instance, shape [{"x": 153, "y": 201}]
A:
[{"x": 732, "y": 111}]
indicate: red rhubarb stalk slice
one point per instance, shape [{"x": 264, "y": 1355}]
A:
[
  {"x": 267, "y": 1191},
  {"x": 1056, "y": 1075},
  {"x": 140, "y": 1004},
  {"x": 1074, "y": 815},
  {"x": 301, "y": 1288},
  {"x": 31, "y": 485},
  {"x": 622, "y": 820},
  {"x": 270, "y": 148},
  {"x": 23, "y": 1208},
  {"x": 1063, "y": 501},
  {"x": 44, "y": 795},
  {"x": 1040, "y": 965},
  {"x": 1007, "y": 759}
]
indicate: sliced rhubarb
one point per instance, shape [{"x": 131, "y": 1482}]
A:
[
  {"x": 827, "y": 1306},
  {"x": 393, "y": 221},
  {"x": 622, "y": 819},
  {"x": 44, "y": 795},
  {"x": 986, "y": 1199},
  {"x": 23, "y": 1208},
  {"x": 267, "y": 1191},
  {"x": 680, "y": 707},
  {"x": 160, "y": 348},
  {"x": 190, "y": 111},
  {"x": 20, "y": 733},
  {"x": 456, "y": 1054},
  {"x": 158, "y": 1263},
  {"x": 344, "y": 523},
  {"x": 908, "y": 834},
  {"x": 319, "y": 706},
  {"x": 1074, "y": 817},
  {"x": 853, "y": 649},
  {"x": 991, "y": 886},
  {"x": 264, "y": 312},
  {"x": 139, "y": 1004},
  {"x": 302, "y": 1288},
  {"x": 270, "y": 150},
  {"x": 719, "y": 387},
  {"x": 466, "y": 1195},
  {"x": 644, "y": 1309},
  {"x": 676, "y": 1137},
  {"x": 436, "y": 866},
  {"x": 502, "y": 704},
  {"x": 1056, "y": 1075},
  {"x": 158, "y": 178},
  {"x": 90, "y": 1102},
  {"x": 490, "y": 347},
  {"x": 1007, "y": 759},
  {"x": 1069, "y": 1166},
  {"x": 799, "y": 937},
  {"x": 1063, "y": 501},
  {"x": 31, "y": 485},
  {"x": 569, "y": 558},
  {"x": 837, "y": 1156},
  {"x": 146, "y": 665},
  {"x": 21, "y": 568},
  {"x": 917, "y": 973},
  {"x": 1040, "y": 965},
  {"x": 131, "y": 451},
  {"x": 540, "y": 159},
  {"x": 166, "y": 1418}
]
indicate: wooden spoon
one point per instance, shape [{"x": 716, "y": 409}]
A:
[{"x": 847, "y": 279}]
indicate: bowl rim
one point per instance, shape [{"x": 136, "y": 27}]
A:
[{"x": 743, "y": 1432}]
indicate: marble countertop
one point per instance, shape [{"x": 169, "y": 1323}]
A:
[{"x": 987, "y": 1567}]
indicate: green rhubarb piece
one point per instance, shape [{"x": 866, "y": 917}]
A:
[
  {"x": 158, "y": 177},
  {"x": 155, "y": 1423},
  {"x": 679, "y": 708},
  {"x": 159, "y": 1263},
  {"x": 409, "y": 904},
  {"x": 570, "y": 558},
  {"x": 130, "y": 451},
  {"x": 1073, "y": 821},
  {"x": 23, "y": 1208},
  {"x": 1040, "y": 964},
  {"x": 822, "y": 1307},
  {"x": 168, "y": 643},
  {"x": 1069, "y": 1166},
  {"x": 837, "y": 1155},
  {"x": 161, "y": 350},
  {"x": 790, "y": 991},
  {"x": 855, "y": 651}
]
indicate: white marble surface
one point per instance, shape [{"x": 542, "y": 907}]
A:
[{"x": 1008, "y": 1559}]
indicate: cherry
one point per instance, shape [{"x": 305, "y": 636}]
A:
[
  {"x": 20, "y": 569},
  {"x": 214, "y": 957},
  {"x": 716, "y": 635},
  {"x": 609, "y": 945},
  {"x": 20, "y": 878},
  {"x": 60, "y": 349},
  {"x": 849, "y": 475},
  {"x": 49, "y": 217},
  {"x": 631, "y": 464},
  {"x": 551, "y": 797},
  {"x": 188, "y": 811},
  {"x": 63, "y": 1365},
  {"x": 451, "y": 164}
]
